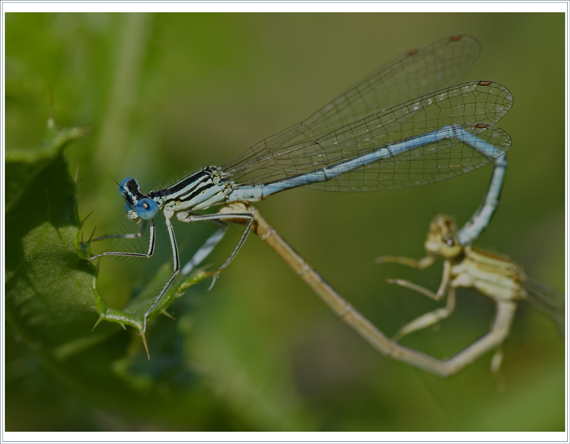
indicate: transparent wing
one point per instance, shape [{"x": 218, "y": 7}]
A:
[
  {"x": 411, "y": 74},
  {"x": 474, "y": 106},
  {"x": 547, "y": 301}
]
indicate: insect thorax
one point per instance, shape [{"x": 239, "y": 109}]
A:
[{"x": 198, "y": 191}]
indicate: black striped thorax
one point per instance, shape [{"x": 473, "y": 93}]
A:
[{"x": 198, "y": 191}]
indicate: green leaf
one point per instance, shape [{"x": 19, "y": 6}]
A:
[
  {"x": 22, "y": 166},
  {"x": 49, "y": 290},
  {"x": 50, "y": 285},
  {"x": 51, "y": 296},
  {"x": 133, "y": 313}
]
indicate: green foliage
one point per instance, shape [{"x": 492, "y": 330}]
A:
[
  {"x": 51, "y": 296},
  {"x": 50, "y": 286},
  {"x": 49, "y": 289}
]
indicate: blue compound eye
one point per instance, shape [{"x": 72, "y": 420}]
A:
[
  {"x": 146, "y": 208},
  {"x": 123, "y": 185}
]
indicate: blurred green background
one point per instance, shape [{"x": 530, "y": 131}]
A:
[{"x": 166, "y": 94}]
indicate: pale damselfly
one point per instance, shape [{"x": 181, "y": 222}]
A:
[
  {"x": 388, "y": 132},
  {"x": 495, "y": 276}
]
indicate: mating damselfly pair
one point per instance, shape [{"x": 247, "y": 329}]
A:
[{"x": 390, "y": 131}]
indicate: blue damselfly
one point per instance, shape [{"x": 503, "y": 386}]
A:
[{"x": 388, "y": 132}]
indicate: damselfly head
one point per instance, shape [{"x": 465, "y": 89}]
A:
[
  {"x": 137, "y": 204},
  {"x": 442, "y": 237}
]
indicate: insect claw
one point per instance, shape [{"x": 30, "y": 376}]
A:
[{"x": 214, "y": 277}]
